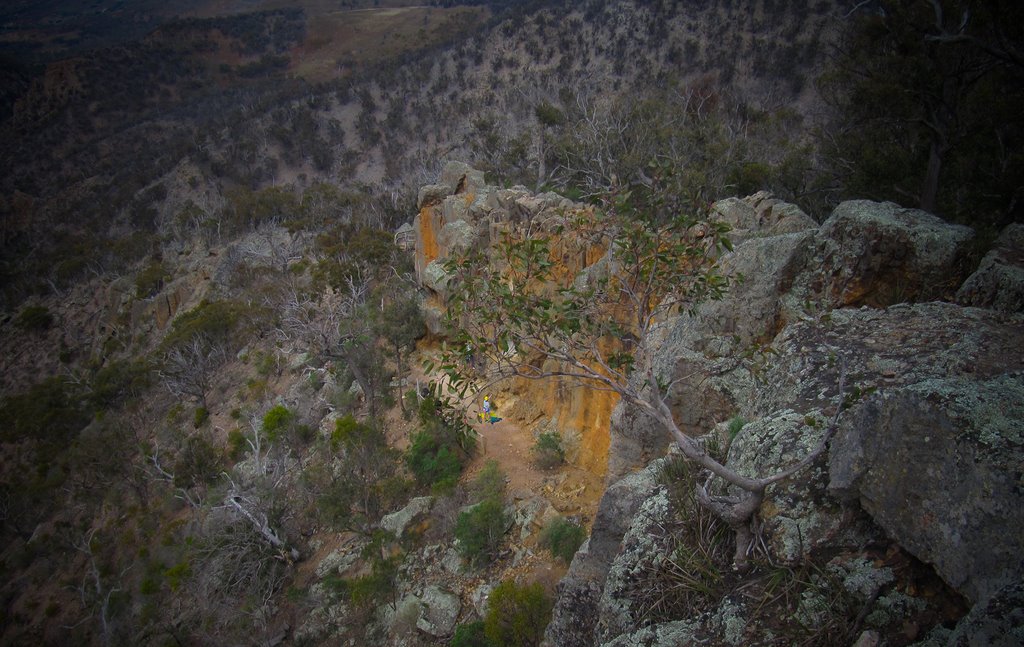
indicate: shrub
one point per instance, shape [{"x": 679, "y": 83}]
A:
[
  {"x": 236, "y": 444},
  {"x": 735, "y": 424},
  {"x": 119, "y": 381},
  {"x": 480, "y": 531},
  {"x": 470, "y": 634},
  {"x": 150, "y": 280},
  {"x": 517, "y": 615},
  {"x": 366, "y": 481},
  {"x": 490, "y": 482},
  {"x": 563, "y": 538},
  {"x": 215, "y": 321},
  {"x": 49, "y": 411},
  {"x": 436, "y": 453},
  {"x": 201, "y": 415},
  {"x": 197, "y": 463},
  {"x": 34, "y": 319},
  {"x": 433, "y": 464},
  {"x": 548, "y": 451},
  {"x": 277, "y": 422}
]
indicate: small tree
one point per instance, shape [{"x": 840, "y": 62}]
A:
[
  {"x": 533, "y": 321},
  {"x": 517, "y": 615},
  {"x": 189, "y": 369}
]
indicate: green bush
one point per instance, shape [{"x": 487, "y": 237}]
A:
[
  {"x": 517, "y": 615},
  {"x": 50, "y": 411},
  {"x": 437, "y": 453},
  {"x": 367, "y": 481},
  {"x": 201, "y": 415},
  {"x": 548, "y": 451},
  {"x": 197, "y": 463},
  {"x": 735, "y": 424},
  {"x": 34, "y": 319},
  {"x": 217, "y": 322},
  {"x": 150, "y": 280},
  {"x": 118, "y": 382},
  {"x": 490, "y": 482},
  {"x": 563, "y": 538},
  {"x": 277, "y": 422},
  {"x": 433, "y": 464},
  {"x": 470, "y": 634},
  {"x": 236, "y": 444},
  {"x": 480, "y": 531}
]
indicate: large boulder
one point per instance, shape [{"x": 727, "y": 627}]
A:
[
  {"x": 937, "y": 464},
  {"x": 398, "y": 521},
  {"x": 998, "y": 282},
  {"x": 440, "y": 611},
  {"x": 761, "y": 215},
  {"x": 879, "y": 254}
]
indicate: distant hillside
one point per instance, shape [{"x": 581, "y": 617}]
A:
[{"x": 93, "y": 140}]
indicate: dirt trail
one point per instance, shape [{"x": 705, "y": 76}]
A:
[{"x": 571, "y": 490}]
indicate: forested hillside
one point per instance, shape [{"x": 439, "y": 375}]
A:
[{"x": 207, "y": 331}]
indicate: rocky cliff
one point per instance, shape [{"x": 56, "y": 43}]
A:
[
  {"x": 884, "y": 303},
  {"x": 462, "y": 211},
  {"x": 928, "y": 455}
]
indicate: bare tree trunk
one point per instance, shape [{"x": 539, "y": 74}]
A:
[{"x": 930, "y": 189}]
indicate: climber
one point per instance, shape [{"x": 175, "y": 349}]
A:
[{"x": 485, "y": 416}]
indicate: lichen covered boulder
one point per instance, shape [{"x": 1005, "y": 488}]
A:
[
  {"x": 938, "y": 465},
  {"x": 998, "y": 283}
]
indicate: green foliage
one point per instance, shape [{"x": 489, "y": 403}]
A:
[
  {"x": 277, "y": 422},
  {"x": 480, "y": 531},
  {"x": 250, "y": 209},
  {"x": 470, "y": 634},
  {"x": 549, "y": 115},
  {"x": 519, "y": 297},
  {"x": 178, "y": 574},
  {"x": 200, "y": 416},
  {"x": 517, "y": 615},
  {"x": 150, "y": 280},
  {"x": 198, "y": 463},
  {"x": 267, "y": 363},
  {"x": 34, "y": 319},
  {"x": 691, "y": 578},
  {"x": 548, "y": 451},
  {"x": 437, "y": 453},
  {"x": 51, "y": 412},
  {"x": 490, "y": 482},
  {"x": 929, "y": 109},
  {"x": 563, "y": 538},
  {"x": 236, "y": 444},
  {"x": 433, "y": 464},
  {"x": 735, "y": 424},
  {"x": 367, "y": 481},
  {"x": 215, "y": 321},
  {"x": 369, "y": 591},
  {"x": 118, "y": 382}
]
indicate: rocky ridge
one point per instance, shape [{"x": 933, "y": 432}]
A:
[{"x": 928, "y": 455}]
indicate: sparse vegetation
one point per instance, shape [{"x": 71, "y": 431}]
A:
[
  {"x": 481, "y": 528},
  {"x": 261, "y": 161},
  {"x": 563, "y": 538},
  {"x": 548, "y": 451}
]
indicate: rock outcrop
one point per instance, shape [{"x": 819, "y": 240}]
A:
[
  {"x": 929, "y": 447},
  {"x": 998, "y": 282},
  {"x": 462, "y": 211},
  {"x": 867, "y": 320}
]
